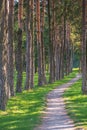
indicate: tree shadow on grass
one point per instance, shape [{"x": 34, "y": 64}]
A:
[
  {"x": 76, "y": 104},
  {"x": 24, "y": 110}
]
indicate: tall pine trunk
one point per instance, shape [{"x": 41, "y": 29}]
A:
[
  {"x": 19, "y": 48},
  {"x": 84, "y": 46},
  {"x": 10, "y": 46},
  {"x": 28, "y": 45},
  {"x": 39, "y": 45},
  {"x": 51, "y": 78},
  {"x": 32, "y": 46},
  {"x": 57, "y": 54},
  {"x": 3, "y": 55},
  {"x": 42, "y": 39}
]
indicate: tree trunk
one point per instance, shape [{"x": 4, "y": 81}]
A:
[
  {"x": 57, "y": 54},
  {"x": 67, "y": 55},
  {"x": 28, "y": 45},
  {"x": 51, "y": 78},
  {"x": 53, "y": 37},
  {"x": 19, "y": 61},
  {"x": 3, "y": 55},
  {"x": 10, "y": 46},
  {"x": 39, "y": 45},
  {"x": 19, "y": 48},
  {"x": 84, "y": 46},
  {"x": 32, "y": 46},
  {"x": 61, "y": 53},
  {"x": 42, "y": 39}
]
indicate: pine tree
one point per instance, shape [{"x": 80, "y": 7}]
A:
[
  {"x": 10, "y": 46},
  {"x": 3, "y": 55},
  {"x": 19, "y": 47},
  {"x": 84, "y": 46}
]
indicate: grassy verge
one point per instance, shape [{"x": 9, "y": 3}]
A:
[
  {"x": 24, "y": 110},
  {"x": 76, "y": 105}
]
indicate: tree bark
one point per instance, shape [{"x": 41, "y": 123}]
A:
[
  {"x": 84, "y": 46},
  {"x": 10, "y": 46},
  {"x": 32, "y": 46},
  {"x": 19, "y": 48},
  {"x": 19, "y": 62},
  {"x": 51, "y": 53},
  {"x": 3, "y": 55},
  {"x": 28, "y": 45},
  {"x": 39, "y": 45},
  {"x": 42, "y": 39}
]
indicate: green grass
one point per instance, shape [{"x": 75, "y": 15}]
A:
[
  {"x": 24, "y": 110},
  {"x": 76, "y": 104}
]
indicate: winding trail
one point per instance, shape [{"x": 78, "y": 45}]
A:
[{"x": 55, "y": 116}]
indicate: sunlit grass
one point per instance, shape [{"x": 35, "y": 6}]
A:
[
  {"x": 76, "y": 104},
  {"x": 24, "y": 110}
]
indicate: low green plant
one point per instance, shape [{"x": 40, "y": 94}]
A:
[
  {"x": 24, "y": 110},
  {"x": 76, "y": 104}
]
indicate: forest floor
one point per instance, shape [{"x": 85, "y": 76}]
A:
[
  {"x": 24, "y": 110},
  {"x": 55, "y": 116}
]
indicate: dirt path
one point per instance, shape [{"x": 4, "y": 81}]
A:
[{"x": 55, "y": 116}]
